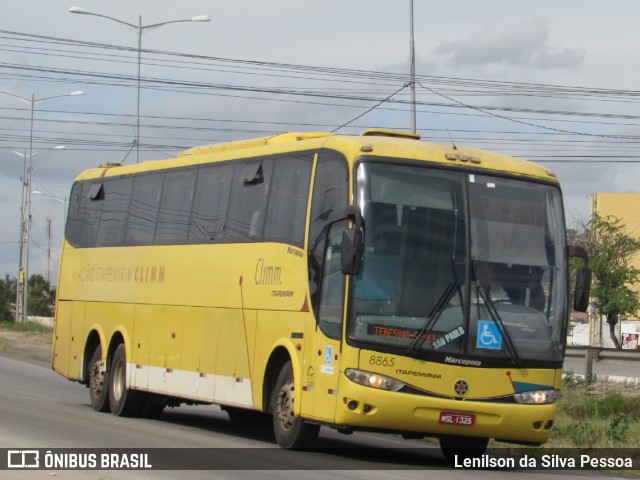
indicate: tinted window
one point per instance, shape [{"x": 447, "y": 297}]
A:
[
  {"x": 115, "y": 211},
  {"x": 210, "y": 203},
  {"x": 92, "y": 201},
  {"x": 288, "y": 197},
  {"x": 175, "y": 207},
  {"x": 143, "y": 211},
  {"x": 243, "y": 201},
  {"x": 245, "y": 215},
  {"x": 76, "y": 214}
]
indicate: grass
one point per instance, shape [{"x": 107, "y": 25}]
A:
[
  {"x": 24, "y": 327},
  {"x": 597, "y": 415}
]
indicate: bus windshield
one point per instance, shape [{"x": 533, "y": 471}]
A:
[{"x": 459, "y": 263}]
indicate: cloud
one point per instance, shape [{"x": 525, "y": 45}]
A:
[{"x": 522, "y": 44}]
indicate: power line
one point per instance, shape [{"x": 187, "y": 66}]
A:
[{"x": 312, "y": 87}]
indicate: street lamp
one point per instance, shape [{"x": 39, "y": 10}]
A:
[
  {"x": 140, "y": 29},
  {"x": 62, "y": 200},
  {"x": 23, "y": 274}
]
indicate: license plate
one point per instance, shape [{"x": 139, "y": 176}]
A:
[{"x": 458, "y": 419}]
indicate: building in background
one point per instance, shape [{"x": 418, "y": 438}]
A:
[{"x": 625, "y": 207}]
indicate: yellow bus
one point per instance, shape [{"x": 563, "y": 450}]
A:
[{"x": 323, "y": 280}]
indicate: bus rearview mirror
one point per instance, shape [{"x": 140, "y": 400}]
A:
[
  {"x": 582, "y": 290},
  {"x": 351, "y": 251}
]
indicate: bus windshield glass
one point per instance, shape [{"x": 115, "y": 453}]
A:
[{"x": 461, "y": 264}]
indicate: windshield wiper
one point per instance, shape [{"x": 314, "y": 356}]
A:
[
  {"x": 495, "y": 316},
  {"x": 434, "y": 315}
]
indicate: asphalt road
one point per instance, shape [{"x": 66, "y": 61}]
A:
[{"x": 39, "y": 409}]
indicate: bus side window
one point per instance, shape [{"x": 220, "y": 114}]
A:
[
  {"x": 288, "y": 196},
  {"x": 175, "y": 207},
  {"x": 78, "y": 201},
  {"x": 211, "y": 200},
  {"x": 115, "y": 211},
  {"x": 247, "y": 201},
  {"x": 332, "y": 286},
  {"x": 143, "y": 210}
]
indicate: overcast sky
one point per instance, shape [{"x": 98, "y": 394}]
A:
[{"x": 552, "y": 81}]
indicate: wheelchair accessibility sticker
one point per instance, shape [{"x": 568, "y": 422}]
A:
[{"x": 489, "y": 335}]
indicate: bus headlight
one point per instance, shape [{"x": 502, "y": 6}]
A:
[
  {"x": 538, "y": 397},
  {"x": 375, "y": 380}
]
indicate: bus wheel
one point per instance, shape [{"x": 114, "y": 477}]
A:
[
  {"x": 291, "y": 432},
  {"x": 98, "y": 379},
  {"x": 462, "y": 447},
  {"x": 124, "y": 402}
]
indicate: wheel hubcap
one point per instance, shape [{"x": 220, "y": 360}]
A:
[
  {"x": 118, "y": 380},
  {"x": 96, "y": 378},
  {"x": 284, "y": 407}
]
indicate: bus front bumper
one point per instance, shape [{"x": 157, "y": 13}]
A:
[{"x": 370, "y": 408}]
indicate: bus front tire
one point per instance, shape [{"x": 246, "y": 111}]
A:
[
  {"x": 291, "y": 432},
  {"x": 124, "y": 402},
  {"x": 98, "y": 381}
]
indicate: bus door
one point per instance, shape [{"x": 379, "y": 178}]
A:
[{"x": 326, "y": 355}]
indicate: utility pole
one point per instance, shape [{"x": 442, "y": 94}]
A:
[{"x": 413, "y": 74}]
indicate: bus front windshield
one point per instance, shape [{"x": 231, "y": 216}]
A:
[{"x": 460, "y": 264}]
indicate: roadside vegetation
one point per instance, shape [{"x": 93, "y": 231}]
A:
[
  {"x": 595, "y": 414},
  {"x": 40, "y": 301},
  {"x": 24, "y": 327}
]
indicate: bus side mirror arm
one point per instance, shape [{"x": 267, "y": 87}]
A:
[
  {"x": 578, "y": 251},
  {"x": 583, "y": 279}
]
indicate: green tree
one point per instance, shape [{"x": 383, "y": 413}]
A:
[
  {"x": 7, "y": 298},
  {"x": 611, "y": 252},
  {"x": 40, "y": 301}
]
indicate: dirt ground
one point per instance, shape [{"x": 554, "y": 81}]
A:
[{"x": 33, "y": 345}]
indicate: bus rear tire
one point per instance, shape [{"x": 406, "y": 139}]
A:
[
  {"x": 291, "y": 432},
  {"x": 98, "y": 381},
  {"x": 462, "y": 447},
  {"x": 124, "y": 402}
]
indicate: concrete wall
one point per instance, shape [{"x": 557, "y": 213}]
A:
[{"x": 46, "y": 321}]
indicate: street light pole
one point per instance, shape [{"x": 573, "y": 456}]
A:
[
  {"x": 138, "y": 89},
  {"x": 20, "y": 281},
  {"x": 23, "y": 273},
  {"x": 140, "y": 29},
  {"x": 413, "y": 74}
]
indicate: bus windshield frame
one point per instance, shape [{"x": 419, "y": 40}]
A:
[{"x": 459, "y": 266}]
